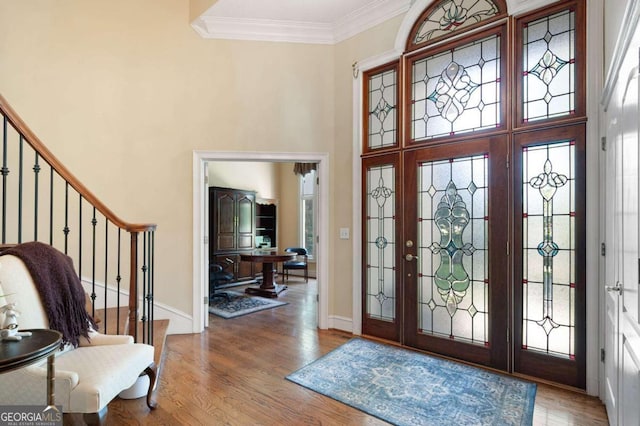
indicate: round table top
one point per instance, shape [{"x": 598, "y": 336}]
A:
[
  {"x": 16, "y": 354},
  {"x": 267, "y": 257}
]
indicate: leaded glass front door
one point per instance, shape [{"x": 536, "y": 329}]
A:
[
  {"x": 454, "y": 247},
  {"x": 474, "y": 188}
]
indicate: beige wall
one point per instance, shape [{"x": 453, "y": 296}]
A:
[
  {"x": 258, "y": 176},
  {"x": 271, "y": 180},
  {"x": 365, "y": 45},
  {"x": 123, "y": 92}
]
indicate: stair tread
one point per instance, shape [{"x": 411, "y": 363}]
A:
[
  {"x": 159, "y": 337},
  {"x": 159, "y": 329},
  {"x": 112, "y": 324}
]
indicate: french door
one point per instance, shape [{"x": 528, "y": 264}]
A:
[
  {"x": 473, "y": 191},
  {"x": 621, "y": 287}
]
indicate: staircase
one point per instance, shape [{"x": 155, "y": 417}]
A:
[{"x": 42, "y": 201}]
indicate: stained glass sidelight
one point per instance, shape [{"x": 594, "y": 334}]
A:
[
  {"x": 382, "y": 89},
  {"x": 380, "y": 243},
  {"x": 453, "y": 281},
  {"x": 549, "y": 252},
  {"x": 456, "y": 91},
  {"x": 549, "y": 72},
  {"x": 453, "y": 15}
]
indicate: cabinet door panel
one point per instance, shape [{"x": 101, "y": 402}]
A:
[
  {"x": 245, "y": 221},
  {"x": 245, "y": 270},
  {"x": 225, "y": 213}
]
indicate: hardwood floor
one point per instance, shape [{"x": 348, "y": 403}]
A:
[{"x": 234, "y": 374}]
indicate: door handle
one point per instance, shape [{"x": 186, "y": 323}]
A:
[
  {"x": 617, "y": 287},
  {"x": 409, "y": 257}
]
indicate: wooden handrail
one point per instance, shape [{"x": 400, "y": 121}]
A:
[{"x": 30, "y": 137}]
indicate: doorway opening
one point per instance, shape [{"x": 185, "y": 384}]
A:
[{"x": 201, "y": 160}]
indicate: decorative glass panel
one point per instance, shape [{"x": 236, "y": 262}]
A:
[
  {"x": 382, "y": 130},
  {"x": 549, "y": 79},
  {"x": 456, "y": 91},
  {"x": 453, "y": 220},
  {"x": 380, "y": 243},
  {"x": 549, "y": 248},
  {"x": 453, "y": 15}
]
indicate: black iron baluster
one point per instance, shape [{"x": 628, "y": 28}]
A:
[
  {"x": 20, "y": 171},
  {"x": 80, "y": 237},
  {"x": 66, "y": 218},
  {"x": 36, "y": 171},
  {"x": 152, "y": 252},
  {"x": 51, "y": 206},
  {"x": 106, "y": 264},
  {"x": 147, "y": 295},
  {"x": 118, "y": 279},
  {"x": 5, "y": 172},
  {"x": 144, "y": 287},
  {"x": 133, "y": 287},
  {"x": 94, "y": 222}
]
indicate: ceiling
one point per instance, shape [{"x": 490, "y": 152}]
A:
[
  {"x": 307, "y": 21},
  {"x": 318, "y": 11},
  {"x": 301, "y": 21}
]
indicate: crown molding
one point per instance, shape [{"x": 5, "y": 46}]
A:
[
  {"x": 214, "y": 27},
  {"x": 263, "y": 30},
  {"x": 367, "y": 17}
]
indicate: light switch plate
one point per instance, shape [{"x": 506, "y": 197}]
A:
[{"x": 344, "y": 233}]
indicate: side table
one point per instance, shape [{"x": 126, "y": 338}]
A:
[{"x": 41, "y": 344}]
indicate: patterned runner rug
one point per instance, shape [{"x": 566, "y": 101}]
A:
[
  {"x": 404, "y": 387},
  {"x": 240, "y": 304}
]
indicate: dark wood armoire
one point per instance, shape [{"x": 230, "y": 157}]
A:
[{"x": 232, "y": 218}]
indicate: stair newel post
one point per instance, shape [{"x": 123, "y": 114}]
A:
[{"x": 133, "y": 287}]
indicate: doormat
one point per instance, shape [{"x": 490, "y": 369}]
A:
[
  {"x": 240, "y": 304},
  {"x": 404, "y": 387}
]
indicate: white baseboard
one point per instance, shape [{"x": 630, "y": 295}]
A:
[
  {"x": 341, "y": 323},
  {"x": 179, "y": 322}
]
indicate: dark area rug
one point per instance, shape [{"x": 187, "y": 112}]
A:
[{"x": 240, "y": 304}]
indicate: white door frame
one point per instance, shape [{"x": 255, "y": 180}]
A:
[{"x": 200, "y": 257}]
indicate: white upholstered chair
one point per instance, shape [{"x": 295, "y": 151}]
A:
[{"x": 88, "y": 377}]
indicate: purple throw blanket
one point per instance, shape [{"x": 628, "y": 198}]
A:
[{"x": 60, "y": 290}]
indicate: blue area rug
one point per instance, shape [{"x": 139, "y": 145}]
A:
[
  {"x": 240, "y": 304},
  {"x": 404, "y": 387}
]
